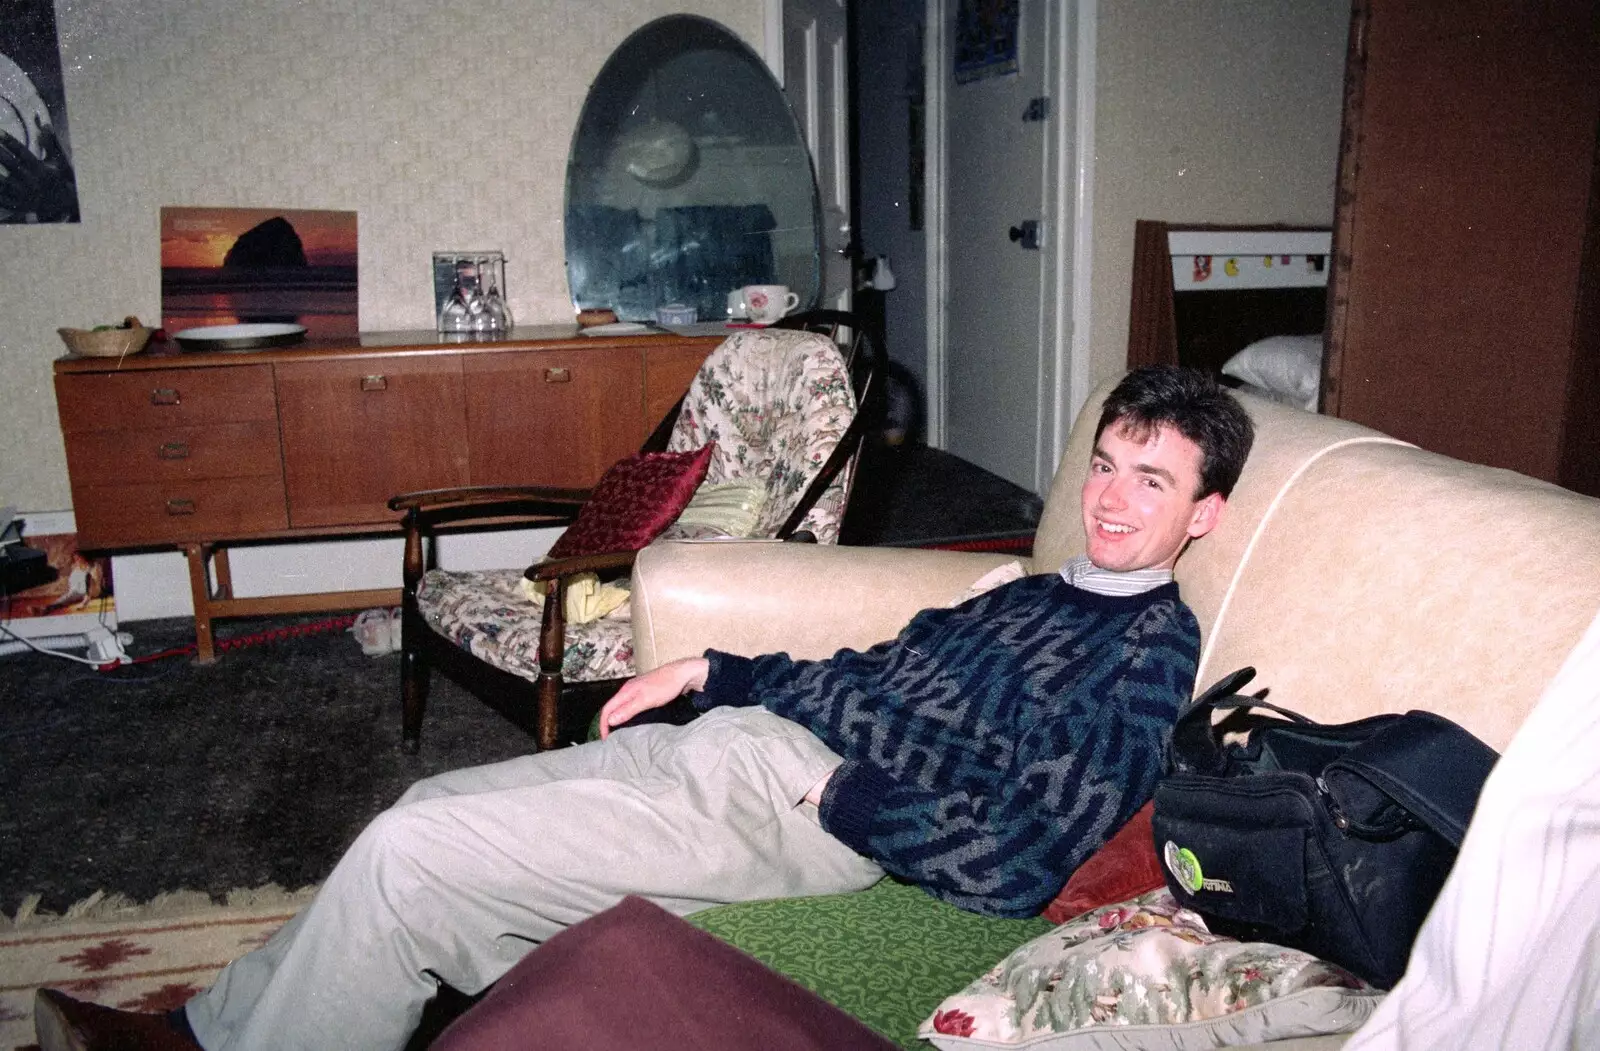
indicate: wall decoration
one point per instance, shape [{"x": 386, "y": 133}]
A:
[
  {"x": 229, "y": 266},
  {"x": 37, "y": 181},
  {"x": 986, "y": 38}
]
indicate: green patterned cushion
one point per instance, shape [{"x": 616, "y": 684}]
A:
[{"x": 888, "y": 955}]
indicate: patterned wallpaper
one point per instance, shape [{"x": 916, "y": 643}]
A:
[{"x": 443, "y": 125}]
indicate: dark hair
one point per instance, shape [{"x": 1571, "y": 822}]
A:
[{"x": 1195, "y": 405}]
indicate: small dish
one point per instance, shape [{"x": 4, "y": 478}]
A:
[
  {"x": 677, "y": 314},
  {"x": 240, "y": 337},
  {"x": 618, "y": 328}
]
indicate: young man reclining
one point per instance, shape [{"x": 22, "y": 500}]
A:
[{"x": 983, "y": 754}]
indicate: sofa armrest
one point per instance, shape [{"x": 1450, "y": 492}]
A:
[{"x": 809, "y": 601}]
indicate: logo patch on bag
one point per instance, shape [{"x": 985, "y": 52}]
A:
[{"x": 1185, "y": 868}]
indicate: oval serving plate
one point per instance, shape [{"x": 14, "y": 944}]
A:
[{"x": 240, "y": 337}]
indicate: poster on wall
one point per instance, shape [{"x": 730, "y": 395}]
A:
[
  {"x": 242, "y": 266},
  {"x": 37, "y": 181},
  {"x": 986, "y": 38}
]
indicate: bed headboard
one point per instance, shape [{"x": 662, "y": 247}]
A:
[{"x": 1201, "y": 293}]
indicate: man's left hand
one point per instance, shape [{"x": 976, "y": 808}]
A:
[{"x": 814, "y": 797}]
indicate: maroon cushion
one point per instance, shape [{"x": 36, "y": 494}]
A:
[
  {"x": 1124, "y": 868},
  {"x": 637, "y": 976},
  {"x": 634, "y": 501}
]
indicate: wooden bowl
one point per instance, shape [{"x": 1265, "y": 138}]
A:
[{"x": 105, "y": 342}]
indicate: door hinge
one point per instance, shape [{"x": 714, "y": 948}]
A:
[{"x": 1038, "y": 109}]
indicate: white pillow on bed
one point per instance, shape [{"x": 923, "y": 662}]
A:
[{"x": 1286, "y": 365}]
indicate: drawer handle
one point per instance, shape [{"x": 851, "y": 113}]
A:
[
  {"x": 164, "y": 396},
  {"x": 173, "y": 451},
  {"x": 379, "y": 382},
  {"x": 180, "y": 507},
  {"x": 562, "y": 375}
]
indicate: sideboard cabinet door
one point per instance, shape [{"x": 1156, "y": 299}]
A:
[
  {"x": 555, "y": 417},
  {"x": 357, "y": 431},
  {"x": 668, "y": 371}
]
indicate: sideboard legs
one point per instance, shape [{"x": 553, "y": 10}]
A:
[
  {"x": 200, "y": 592},
  {"x": 211, "y": 589}
]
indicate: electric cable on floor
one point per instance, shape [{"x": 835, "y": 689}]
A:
[
  {"x": 317, "y": 627},
  {"x": 42, "y": 644},
  {"x": 338, "y": 623}
]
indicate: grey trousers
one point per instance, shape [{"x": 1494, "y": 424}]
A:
[{"x": 471, "y": 870}]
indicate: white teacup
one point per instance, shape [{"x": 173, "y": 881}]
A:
[{"x": 767, "y": 303}]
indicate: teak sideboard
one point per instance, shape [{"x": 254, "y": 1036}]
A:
[{"x": 202, "y": 450}]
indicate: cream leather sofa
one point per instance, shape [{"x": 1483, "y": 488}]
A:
[{"x": 1357, "y": 573}]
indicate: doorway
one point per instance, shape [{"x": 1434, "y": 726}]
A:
[{"x": 986, "y": 332}]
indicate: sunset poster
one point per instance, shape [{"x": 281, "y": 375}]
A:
[{"x": 230, "y": 266}]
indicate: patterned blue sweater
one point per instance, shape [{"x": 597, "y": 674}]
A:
[{"x": 992, "y": 747}]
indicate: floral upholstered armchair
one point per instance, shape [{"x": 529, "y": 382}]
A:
[{"x": 763, "y": 446}]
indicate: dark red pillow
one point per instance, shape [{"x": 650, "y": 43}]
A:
[
  {"x": 637, "y": 976},
  {"x": 1124, "y": 868},
  {"x": 634, "y": 501}
]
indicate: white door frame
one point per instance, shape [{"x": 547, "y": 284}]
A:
[
  {"x": 772, "y": 37},
  {"x": 1064, "y": 314}
]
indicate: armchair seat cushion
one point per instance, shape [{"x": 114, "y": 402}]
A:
[{"x": 487, "y": 613}]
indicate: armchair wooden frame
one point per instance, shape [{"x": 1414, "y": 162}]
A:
[{"x": 429, "y": 512}]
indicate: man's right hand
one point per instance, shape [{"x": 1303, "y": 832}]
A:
[{"x": 652, "y": 690}]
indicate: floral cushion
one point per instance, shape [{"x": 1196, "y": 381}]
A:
[
  {"x": 487, "y": 613},
  {"x": 776, "y": 402},
  {"x": 1147, "y": 973},
  {"x": 633, "y": 502}
]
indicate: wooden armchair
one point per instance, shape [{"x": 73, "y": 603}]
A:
[{"x": 784, "y": 406}]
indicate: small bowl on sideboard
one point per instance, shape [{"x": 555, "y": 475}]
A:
[{"x": 105, "y": 342}]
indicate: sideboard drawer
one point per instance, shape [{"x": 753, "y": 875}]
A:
[
  {"x": 109, "y": 401},
  {"x": 173, "y": 512},
  {"x": 227, "y": 450}
]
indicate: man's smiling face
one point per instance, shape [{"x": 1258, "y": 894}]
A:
[{"x": 1139, "y": 505}]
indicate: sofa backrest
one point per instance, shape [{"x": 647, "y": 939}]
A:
[
  {"x": 1286, "y": 440},
  {"x": 1360, "y": 575}
]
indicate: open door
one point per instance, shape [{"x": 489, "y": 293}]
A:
[{"x": 996, "y": 236}]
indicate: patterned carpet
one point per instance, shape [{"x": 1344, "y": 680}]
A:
[{"x": 152, "y": 958}]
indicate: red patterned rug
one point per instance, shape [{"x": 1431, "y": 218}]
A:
[{"x": 140, "y": 958}]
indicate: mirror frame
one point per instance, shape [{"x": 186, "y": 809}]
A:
[{"x": 706, "y": 34}]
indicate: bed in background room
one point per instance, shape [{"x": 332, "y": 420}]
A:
[{"x": 1246, "y": 302}]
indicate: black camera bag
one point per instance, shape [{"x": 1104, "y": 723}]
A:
[{"x": 1330, "y": 839}]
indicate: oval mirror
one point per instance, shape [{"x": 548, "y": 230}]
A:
[{"x": 688, "y": 178}]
